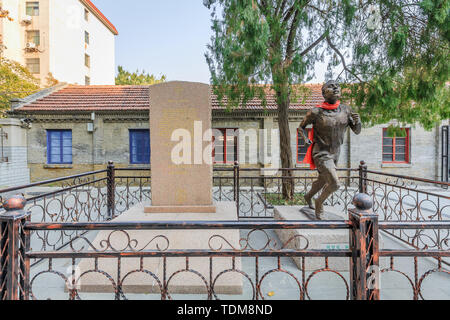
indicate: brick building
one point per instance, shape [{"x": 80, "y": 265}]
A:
[{"x": 75, "y": 129}]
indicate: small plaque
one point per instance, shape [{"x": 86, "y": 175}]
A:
[{"x": 334, "y": 246}]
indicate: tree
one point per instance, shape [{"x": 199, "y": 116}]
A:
[
  {"x": 5, "y": 14},
  {"x": 16, "y": 81},
  {"x": 391, "y": 54},
  {"x": 137, "y": 78}
]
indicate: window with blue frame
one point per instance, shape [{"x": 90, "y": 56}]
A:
[
  {"x": 139, "y": 146},
  {"x": 59, "y": 146}
]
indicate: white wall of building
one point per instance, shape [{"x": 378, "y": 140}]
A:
[
  {"x": 12, "y": 32},
  {"x": 102, "y": 52},
  {"x": 62, "y": 29},
  {"x": 15, "y": 171},
  {"x": 67, "y": 40}
]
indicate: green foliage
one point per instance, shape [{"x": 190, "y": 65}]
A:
[
  {"x": 137, "y": 78},
  {"x": 15, "y": 82},
  {"x": 395, "y": 69},
  {"x": 276, "y": 199}
]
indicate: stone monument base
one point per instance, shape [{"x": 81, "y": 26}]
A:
[
  {"x": 180, "y": 209},
  {"x": 182, "y": 277},
  {"x": 326, "y": 215},
  {"x": 318, "y": 239}
]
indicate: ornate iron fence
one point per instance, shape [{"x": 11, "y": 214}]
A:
[
  {"x": 101, "y": 195},
  {"x": 409, "y": 199},
  {"x": 254, "y": 186},
  {"x": 131, "y": 187},
  {"x": 76, "y": 198},
  {"x": 361, "y": 281},
  {"x": 247, "y": 186}
]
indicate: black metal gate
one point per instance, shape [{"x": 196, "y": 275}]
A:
[{"x": 445, "y": 160}]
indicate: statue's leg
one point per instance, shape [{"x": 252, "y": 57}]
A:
[
  {"x": 332, "y": 185},
  {"x": 315, "y": 188}
]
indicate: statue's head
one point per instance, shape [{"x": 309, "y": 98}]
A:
[{"x": 331, "y": 91}]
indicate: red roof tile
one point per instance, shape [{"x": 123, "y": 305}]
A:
[
  {"x": 309, "y": 99},
  {"x": 103, "y": 98}
]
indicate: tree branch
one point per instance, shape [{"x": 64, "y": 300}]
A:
[
  {"x": 280, "y": 8},
  {"x": 291, "y": 11},
  {"x": 288, "y": 14},
  {"x": 332, "y": 46},
  {"x": 292, "y": 33},
  {"x": 315, "y": 43},
  {"x": 317, "y": 9}
]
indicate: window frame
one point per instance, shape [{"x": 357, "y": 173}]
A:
[
  {"x": 407, "y": 147},
  {"x": 87, "y": 60},
  {"x": 87, "y": 37},
  {"x": 236, "y": 149},
  {"x": 87, "y": 80},
  {"x": 130, "y": 132},
  {"x": 86, "y": 14},
  {"x": 49, "y": 146},
  {"x": 33, "y": 8},
  {"x": 28, "y": 64},
  {"x": 33, "y": 38},
  {"x": 296, "y": 150}
]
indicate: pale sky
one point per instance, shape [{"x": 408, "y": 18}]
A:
[{"x": 164, "y": 37}]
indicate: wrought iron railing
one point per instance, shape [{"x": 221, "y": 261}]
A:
[
  {"x": 409, "y": 199},
  {"x": 129, "y": 257},
  {"x": 77, "y": 198},
  {"x": 102, "y": 195}
]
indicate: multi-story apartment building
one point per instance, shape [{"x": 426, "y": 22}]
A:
[{"x": 71, "y": 39}]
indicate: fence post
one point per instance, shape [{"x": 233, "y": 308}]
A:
[
  {"x": 363, "y": 177},
  {"x": 111, "y": 190},
  {"x": 14, "y": 269},
  {"x": 364, "y": 263},
  {"x": 236, "y": 185}
]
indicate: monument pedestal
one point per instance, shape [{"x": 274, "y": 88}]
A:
[
  {"x": 318, "y": 239},
  {"x": 185, "y": 282}
]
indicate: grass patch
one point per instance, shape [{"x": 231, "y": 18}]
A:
[{"x": 276, "y": 199}]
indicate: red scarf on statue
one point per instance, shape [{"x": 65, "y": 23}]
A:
[{"x": 308, "y": 158}]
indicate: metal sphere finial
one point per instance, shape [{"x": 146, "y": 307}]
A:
[
  {"x": 363, "y": 201},
  {"x": 15, "y": 202}
]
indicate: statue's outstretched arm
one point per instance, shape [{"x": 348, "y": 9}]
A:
[{"x": 309, "y": 119}]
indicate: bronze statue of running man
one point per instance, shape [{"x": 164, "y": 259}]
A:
[{"x": 329, "y": 123}]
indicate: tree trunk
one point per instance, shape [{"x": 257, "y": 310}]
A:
[{"x": 285, "y": 145}]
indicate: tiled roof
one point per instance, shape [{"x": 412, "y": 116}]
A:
[
  {"x": 93, "y": 98},
  {"x": 307, "y": 100},
  {"x": 100, "y": 15},
  {"x": 115, "y": 98}
]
